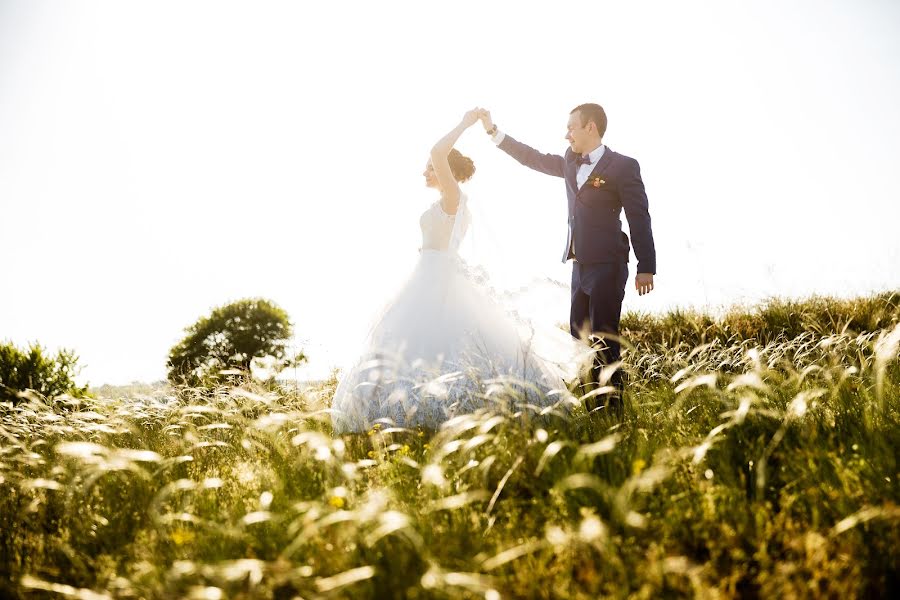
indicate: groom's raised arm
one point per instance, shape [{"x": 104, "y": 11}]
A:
[{"x": 551, "y": 164}]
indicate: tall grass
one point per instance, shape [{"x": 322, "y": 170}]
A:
[
  {"x": 774, "y": 319},
  {"x": 750, "y": 463}
]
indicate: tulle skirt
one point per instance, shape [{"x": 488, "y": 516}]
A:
[{"x": 439, "y": 347}]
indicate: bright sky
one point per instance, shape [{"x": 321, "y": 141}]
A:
[{"x": 161, "y": 158}]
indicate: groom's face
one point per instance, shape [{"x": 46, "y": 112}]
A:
[{"x": 578, "y": 136}]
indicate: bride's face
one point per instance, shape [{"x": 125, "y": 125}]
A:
[{"x": 430, "y": 179}]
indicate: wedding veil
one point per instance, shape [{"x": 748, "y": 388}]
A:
[{"x": 537, "y": 304}]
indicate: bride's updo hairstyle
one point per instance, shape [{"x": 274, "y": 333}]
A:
[{"x": 461, "y": 165}]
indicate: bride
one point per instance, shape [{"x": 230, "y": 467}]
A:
[{"x": 442, "y": 337}]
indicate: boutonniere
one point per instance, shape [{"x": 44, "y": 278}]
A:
[{"x": 596, "y": 181}]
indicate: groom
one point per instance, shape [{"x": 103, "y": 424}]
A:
[{"x": 600, "y": 183}]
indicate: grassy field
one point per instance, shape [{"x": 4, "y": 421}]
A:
[{"x": 758, "y": 458}]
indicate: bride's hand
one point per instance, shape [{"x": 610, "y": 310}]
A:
[{"x": 470, "y": 118}]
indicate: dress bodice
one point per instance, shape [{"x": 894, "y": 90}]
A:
[{"x": 437, "y": 226}]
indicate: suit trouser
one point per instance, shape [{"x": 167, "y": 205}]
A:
[{"x": 597, "y": 293}]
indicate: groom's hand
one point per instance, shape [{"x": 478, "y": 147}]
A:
[
  {"x": 643, "y": 283},
  {"x": 486, "y": 121}
]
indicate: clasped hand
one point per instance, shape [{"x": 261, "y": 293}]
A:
[{"x": 477, "y": 114}]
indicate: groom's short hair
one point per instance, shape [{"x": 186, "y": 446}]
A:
[{"x": 592, "y": 112}]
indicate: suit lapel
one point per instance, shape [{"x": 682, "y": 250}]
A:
[
  {"x": 601, "y": 166},
  {"x": 571, "y": 181},
  {"x": 571, "y": 170}
]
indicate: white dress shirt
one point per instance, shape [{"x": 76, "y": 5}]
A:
[{"x": 584, "y": 171}]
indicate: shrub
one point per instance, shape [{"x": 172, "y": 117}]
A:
[
  {"x": 229, "y": 339},
  {"x": 34, "y": 369}
]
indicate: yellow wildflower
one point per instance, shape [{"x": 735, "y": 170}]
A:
[
  {"x": 182, "y": 536},
  {"x": 638, "y": 465}
]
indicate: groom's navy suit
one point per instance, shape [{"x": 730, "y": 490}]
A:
[{"x": 596, "y": 242}]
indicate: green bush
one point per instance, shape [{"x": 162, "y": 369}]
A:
[
  {"x": 228, "y": 340},
  {"x": 33, "y": 369}
]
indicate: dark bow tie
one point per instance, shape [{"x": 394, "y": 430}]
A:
[{"x": 582, "y": 160}]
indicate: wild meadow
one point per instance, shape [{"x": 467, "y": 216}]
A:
[{"x": 758, "y": 457}]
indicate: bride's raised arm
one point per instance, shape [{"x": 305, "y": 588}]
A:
[{"x": 441, "y": 164}]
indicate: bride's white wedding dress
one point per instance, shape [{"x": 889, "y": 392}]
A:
[{"x": 429, "y": 354}]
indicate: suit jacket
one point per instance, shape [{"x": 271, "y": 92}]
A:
[{"x": 594, "y": 210}]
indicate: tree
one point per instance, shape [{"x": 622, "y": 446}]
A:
[
  {"x": 229, "y": 339},
  {"x": 34, "y": 369}
]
